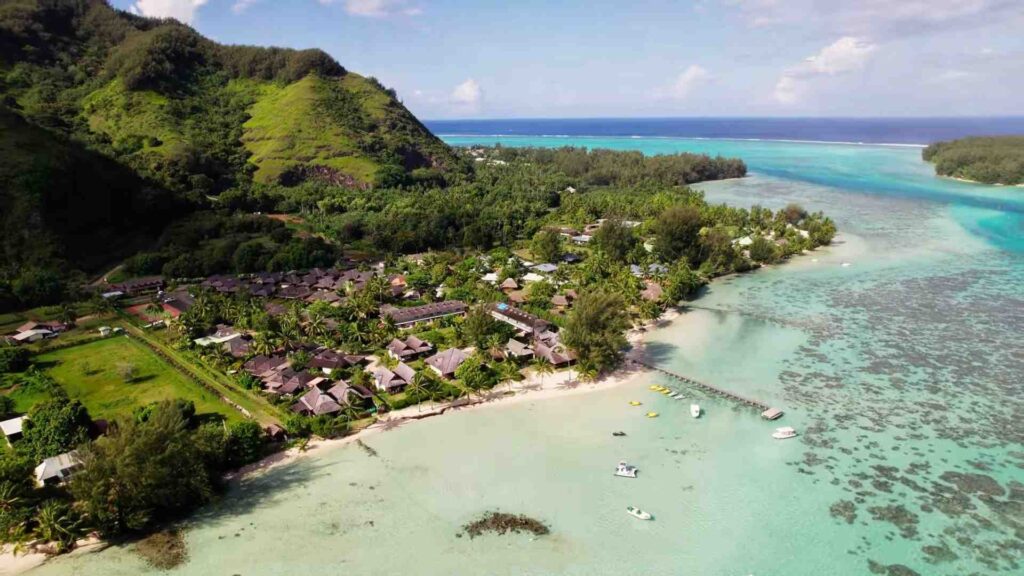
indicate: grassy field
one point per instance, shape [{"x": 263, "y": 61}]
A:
[{"x": 91, "y": 373}]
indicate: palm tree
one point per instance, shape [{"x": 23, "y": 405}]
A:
[
  {"x": 508, "y": 371},
  {"x": 542, "y": 366},
  {"x": 316, "y": 327},
  {"x": 586, "y": 371},
  {"x": 262, "y": 344},
  {"x": 68, "y": 315},
  {"x": 419, "y": 385}
]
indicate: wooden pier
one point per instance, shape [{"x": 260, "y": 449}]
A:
[{"x": 766, "y": 411}]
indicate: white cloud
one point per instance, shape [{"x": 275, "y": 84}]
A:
[
  {"x": 845, "y": 55},
  {"x": 181, "y": 10},
  {"x": 242, "y": 5},
  {"x": 379, "y": 8},
  {"x": 467, "y": 94},
  {"x": 879, "y": 18},
  {"x": 689, "y": 80}
]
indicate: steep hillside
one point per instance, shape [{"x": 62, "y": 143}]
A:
[
  {"x": 178, "y": 113},
  {"x": 61, "y": 203},
  {"x": 198, "y": 116}
]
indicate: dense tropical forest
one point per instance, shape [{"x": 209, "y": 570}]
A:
[
  {"x": 113, "y": 125},
  {"x": 990, "y": 160}
]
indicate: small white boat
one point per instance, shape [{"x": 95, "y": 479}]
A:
[
  {"x": 846, "y": 264},
  {"x": 695, "y": 410},
  {"x": 673, "y": 394},
  {"x": 783, "y": 433},
  {"x": 625, "y": 470},
  {"x": 638, "y": 513}
]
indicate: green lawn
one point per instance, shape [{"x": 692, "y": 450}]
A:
[{"x": 90, "y": 373}]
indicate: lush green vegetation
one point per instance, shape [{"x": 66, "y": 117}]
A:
[
  {"x": 991, "y": 160},
  {"x": 115, "y": 376},
  {"x": 151, "y": 467},
  {"x": 111, "y": 125}
]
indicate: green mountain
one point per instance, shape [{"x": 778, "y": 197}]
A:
[
  {"x": 990, "y": 160},
  {"x": 117, "y": 114}
]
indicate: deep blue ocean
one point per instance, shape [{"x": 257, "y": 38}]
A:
[{"x": 851, "y": 130}]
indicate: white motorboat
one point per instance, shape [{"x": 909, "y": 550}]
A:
[
  {"x": 638, "y": 513},
  {"x": 673, "y": 394},
  {"x": 625, "y": 470},
  {"x": 695, "y": 410},
  {"x": 783, "y": 433}
]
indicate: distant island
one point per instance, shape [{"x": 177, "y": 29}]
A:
[{"x": 989, "y": 160}]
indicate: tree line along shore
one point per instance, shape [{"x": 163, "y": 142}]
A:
[{"x": 987, "y": 160}]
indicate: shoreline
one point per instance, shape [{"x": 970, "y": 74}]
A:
[{"x": 977, "y": 183}]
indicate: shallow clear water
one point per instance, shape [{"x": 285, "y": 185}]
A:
[{"x": 903, "y": 372}]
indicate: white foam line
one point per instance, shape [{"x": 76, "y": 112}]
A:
[{"x": 634, "y": 137}]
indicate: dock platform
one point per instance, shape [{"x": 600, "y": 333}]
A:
[{"x": 767, "y": 412}]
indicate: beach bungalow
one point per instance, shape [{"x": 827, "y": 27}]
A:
[
  {"x": 556, "y": 354},
  {"x": 329, "y": 360},
  {"x": 509, "y": 284},
  {"x": 516, "y": 350},
  {"x": 351, "y": 395},
  {"x": 57, "y": 469},
  {"x": 545, "y": 268},
  {"x": 582, "y": 239},
  {"x": 532, "y": 277},
  {"x": 409, "y": 348},
  {"x": 409, "y": 317},
  {"x": 393, "y": 381},
  {"x": 517, "y": 297},
  {"x": 316, "y": 403},
  {"x": 446, "y": 363},
  {"x": 652, "y": 292},
  {"x": 12, "y": 429},
  {"x": 560, "y": 301}
]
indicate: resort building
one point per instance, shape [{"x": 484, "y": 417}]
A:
[
  {"x": 409, "y": 348},
  {"x": 409, "y": 317},
  {"x": 522, "y": 321},
  {"x": 57, "y": 469},
  {"x": 446, "y": 363},
  {"x": 351, "y": 394},
  {"x": 516, "y": 350},
  {"x": 12, "y": 429},
  {"x": 393, "y": 381},
  {"x": 316, "y": 403}
]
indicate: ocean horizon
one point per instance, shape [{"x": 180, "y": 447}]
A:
[{"x": 894, "y": 131}]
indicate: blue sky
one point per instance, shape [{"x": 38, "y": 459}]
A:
[{"x": 461, "y": 59}]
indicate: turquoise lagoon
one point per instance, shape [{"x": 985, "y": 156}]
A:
[{"x": 903, "y": 371}]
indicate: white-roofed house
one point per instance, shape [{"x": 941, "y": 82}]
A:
[
  {"x": 57, "y": 469},
  {"x": 12, "y": 429}
]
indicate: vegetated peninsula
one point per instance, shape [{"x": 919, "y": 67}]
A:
[{"x": 989, "y": 160}]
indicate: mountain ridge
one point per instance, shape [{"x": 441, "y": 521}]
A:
[{"x": 188, "y": 119}]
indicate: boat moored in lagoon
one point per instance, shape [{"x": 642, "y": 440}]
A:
[
  {"x": 626, "y": 470},
  {"x": 652, "y": 414},
  {"x": 783, "y": 433},
  {"x": 695, "y": 410},
  {"x": 638, "y": 513}
]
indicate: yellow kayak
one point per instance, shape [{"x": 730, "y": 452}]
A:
[
  {"x": 664, "y": 390},
  {"x": 652, "y": 414},
  {"x": 634, "y": 403},
  {"x": 654, "y": 387}
]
